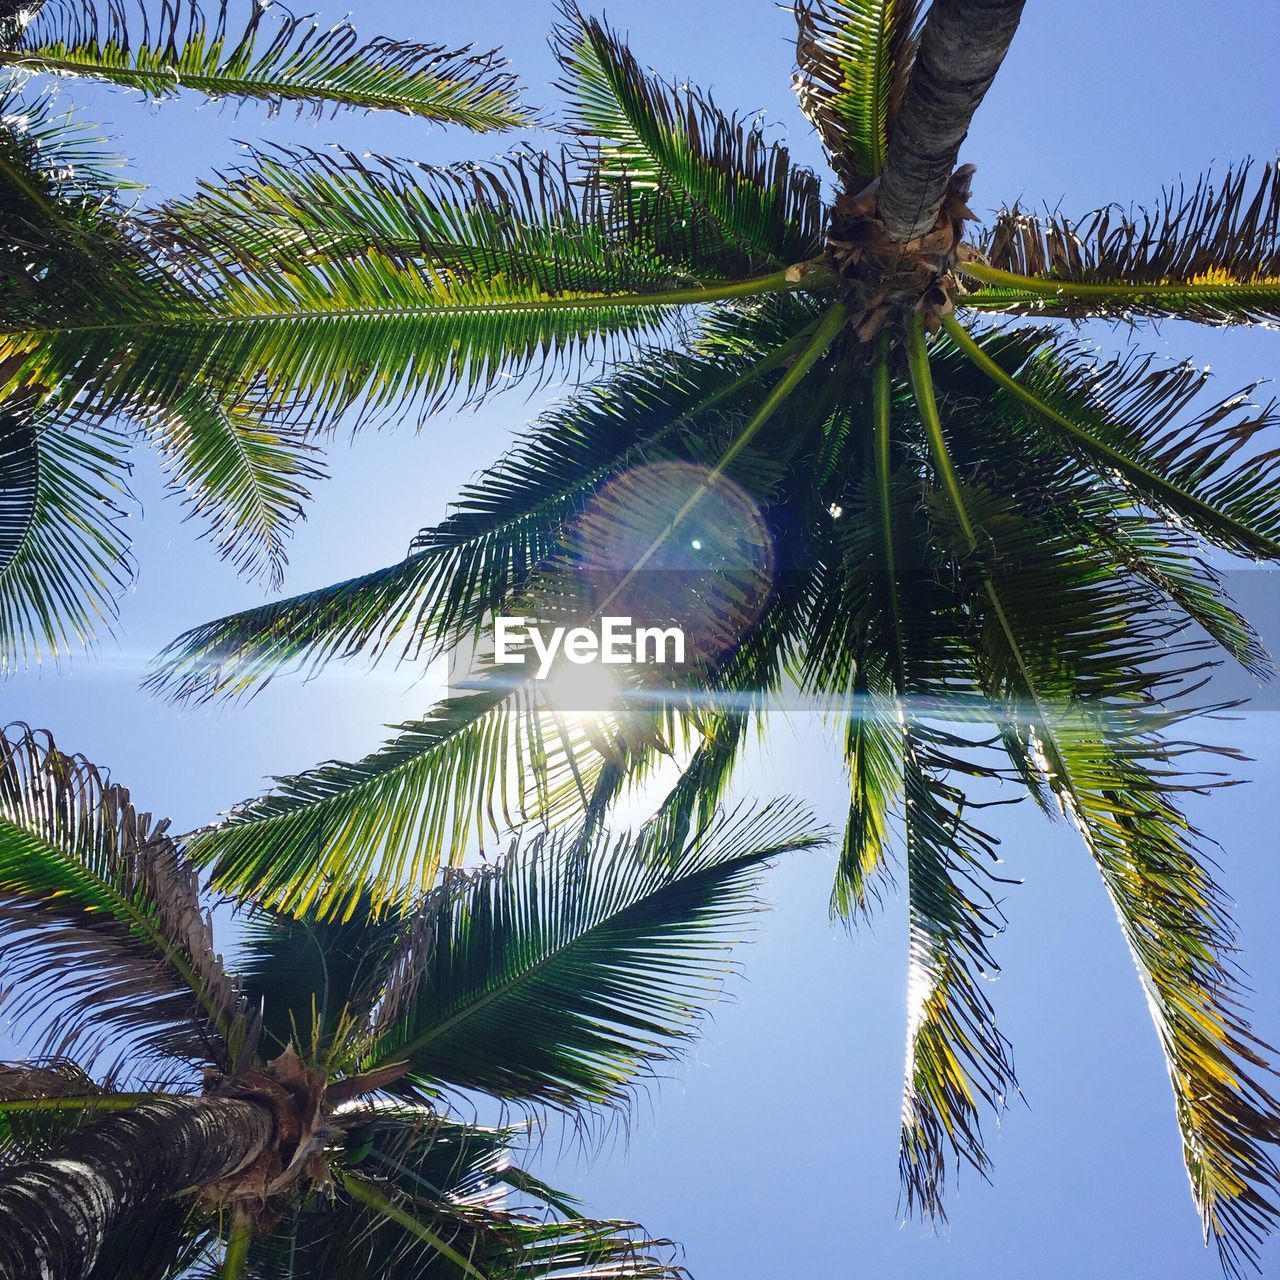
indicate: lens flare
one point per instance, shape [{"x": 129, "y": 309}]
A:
[{"x": 579, "y": 692}]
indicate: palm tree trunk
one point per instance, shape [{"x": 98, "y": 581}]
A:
[
  {"x": 961, "y": 49},
  {"x": 56, "y": 1213}
]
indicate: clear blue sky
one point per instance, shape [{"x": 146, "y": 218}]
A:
[{"x": 772, "y": 1151}]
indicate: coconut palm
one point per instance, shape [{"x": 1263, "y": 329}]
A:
[
  {"x": 71, "y": 249},
  {"x": 290, "y": 1115},
  {"x": 982, "y": 544}
]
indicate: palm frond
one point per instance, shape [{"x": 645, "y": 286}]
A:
[
  {"x": 1099, "y": 669},
  {"x": 505, "y": 525},
  {"x": 874, "y": 738},
  {"x": 957, "y": 1060},
  {"x": 704, "y": 782},
  {"x": 1050, "y": 478},
  {"x": 68, "y": 157},
  {"x": 731, "y": 695},
  {"x": 313, "y": 982},
  {"x": 873, "y": 758},
  {"x": 1203, "y": 471},
  {"x": 1168, "y": 559},
  {"x": 480, "y": 763},
  {"x": 698, "y": 177},
  {"x": 243, "y": 478},
  {"x": 421, "y": 1194},
  {"x": 320, "y": 341},
  {"x": 857, "y": 650},
  {"x": 19, "y": 483},
  {"x": 1156, "y": 868},
  {"x": 1210, "y": 253},
  {"x": 584, "y": 963},
  {"x": 64, "y": 239},
  {"x": 853, "y": 57},
  {"x": 90, "y": 885},
  {"x": 67, "y": 553},
  {"x": 1117, "y": 776},
  {"x": 531, "y": 217},
  {"x": 298, "y": 63},
  {"x": 238, "y": 655}
]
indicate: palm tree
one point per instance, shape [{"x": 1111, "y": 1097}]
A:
[
  {"x": 970, "y": 525},
  {"x": 290, "y": 1115},
  {"x": 72, "y": 249}
]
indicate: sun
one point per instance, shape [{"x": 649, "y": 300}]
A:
[{"x": 579, "y": 691}]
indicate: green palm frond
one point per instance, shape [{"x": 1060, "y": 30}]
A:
[
  {"x": 584, "y": 963},
  {"x": 240, "y": 654},
  {"x": 857, "y": 651},
  {"x": 1117, "y": 777},
  {"x": 885, "y": 631},
  {"x": 298, "y": 62},
  {"x": 320, "y": 341},
  {"x": 1211, "y": 253},
  {"x": 315, "y": 981},
  {"x": 732, "y": 694},
  {"x": 424, "y": 1195},
  {"x": 482, "y": 762},
  {"x": 1169, "y": 560},
  {"x": 68, "y": 156},
  {"x": 1155, "y": 866},
  {"x": 504, "y": 525},
  {"x": 853, "y": 58},
  {"x": 242, "y": 477},
  {"x": 75, "y": 249},
  {"x": 1058, "y": 482},
  {"x": 66, "y": 553},
  {"x": 63, "y": 230},
  {"x": 462, "y": 1183},
  {"x": 704, "y": 782},
  {"x": 957, "y": 1060},
  {"x": 888, "y": 633},
  {"x": 90, "y": 884},
  {"x": 19, "y": 483},
  {"x": 1123, "y": 415},
  {"x": 873, "y": 758},
  {"x": 530, "y": 217},
  {"x": 1098, "y": 671},
  {"x": 702, "y": 179},
  {"x": 63, "y": 551}
]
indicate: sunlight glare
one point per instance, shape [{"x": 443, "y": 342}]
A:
[{"x": 580, "y": 692}]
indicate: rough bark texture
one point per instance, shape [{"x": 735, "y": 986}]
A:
[
  {"x": 56, "y": 1213},
  {"x": 963, "y": 44}
]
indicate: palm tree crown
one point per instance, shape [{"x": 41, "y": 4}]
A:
[{"x": 301, "y": 1100}]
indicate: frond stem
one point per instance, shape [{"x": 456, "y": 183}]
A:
[
  {"x": 1135, "y": 471},
  {"x": 229, "y": 85},
  {"x": 922, "y": 385},
  {"x": 776, "y": 282},
  {"x": 882, "y": 393},
  {"x": 827, "y": 331},
  {"x": 236, "y": 1258},
  {"x": 1036, "y": 287},
  {"x": 369, "y": 1194},
  {"x": 83, "y": 1102}
]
